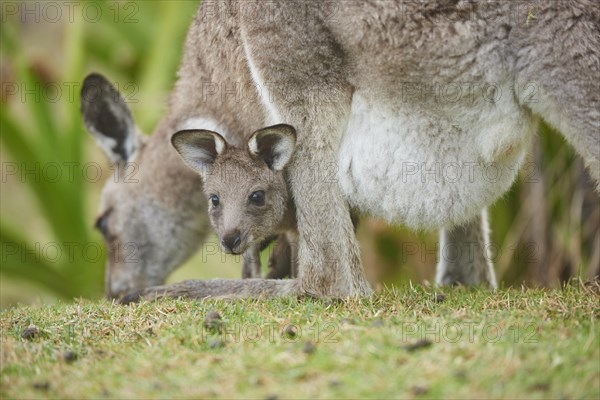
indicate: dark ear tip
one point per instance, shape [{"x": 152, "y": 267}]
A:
[
  {"x": 94, "y": 76},
  {"x": 94, "y": 79},
  {"x": 181, "y": 137},
  {"x": 178, "y": 137},
  {"x": 291, "y": 130},
  {"x": 175, "y": 138},
  {"x": 95, "y": 86},
  {"x": 287, "y": 128}
]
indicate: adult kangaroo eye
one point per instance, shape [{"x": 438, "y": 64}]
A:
[
  {"x": 102, "y": 223},
  {"x": 214, "y": 200},
  {"x": 257, "y": 198}
]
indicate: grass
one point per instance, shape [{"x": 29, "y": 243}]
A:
[{"x": 403, "y": 342}]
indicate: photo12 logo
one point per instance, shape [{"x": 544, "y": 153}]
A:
[
  {"x": 69, "y": 11},
  {"x": 65, "y": 171},
  {"x": 468, "y": 331},
  {"x": 52, "y": 92},
  {"x": 68, "y": 252}
]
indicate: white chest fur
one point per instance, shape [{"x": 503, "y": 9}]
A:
[{"x": 431, "y": 165}]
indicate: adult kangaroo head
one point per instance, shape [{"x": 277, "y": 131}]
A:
[
  {"x": 246, "y": 187},
  {"x": 150, "y": 223}
]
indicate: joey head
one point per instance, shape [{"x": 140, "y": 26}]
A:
[{"x": 246, "y": 188}]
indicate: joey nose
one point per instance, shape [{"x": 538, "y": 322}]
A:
[{"x": 231, "y": 241}]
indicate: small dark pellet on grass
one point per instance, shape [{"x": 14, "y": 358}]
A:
[
  {"x": 290, "y": 331},
  {"x": 419, "y": 390},
  {"x": 213, "y": 321},
  {"x": 460, "y": 375},
  {"x": 309, "y": 347},
  {"x": 418, "y": 345},
  {"x": 335, "y": 383},
  {"x": 69, "y": 356},
  {"x": 30, "y": 333},
  {"x": 41, "y": 385},
  {"x": 439, "y": 297},
  {"x": 540, "y": 386}
]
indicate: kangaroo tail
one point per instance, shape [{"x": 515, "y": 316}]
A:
[{"x": 218, "y": 288}]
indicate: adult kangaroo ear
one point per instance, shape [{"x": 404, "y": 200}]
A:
[
  {"x": 107, "y": 118},
  {"x": 198, "y": 148},
  {"x": 274, "y": 145}
]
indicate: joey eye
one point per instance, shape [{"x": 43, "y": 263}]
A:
[
  {"x": 214, "y": 200},
  {"x": 257, "y": 198}
]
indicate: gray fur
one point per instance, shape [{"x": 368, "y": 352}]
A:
[{"x": 314, "y": 62}]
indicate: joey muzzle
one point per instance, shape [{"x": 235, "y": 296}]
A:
[{"x": 231, "y": 242}]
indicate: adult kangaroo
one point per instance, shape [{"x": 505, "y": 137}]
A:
[
  {"x": 152, "y": 214},
  {"x": 418, "y": 112}
]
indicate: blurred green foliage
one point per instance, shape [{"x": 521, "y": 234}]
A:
[{"x": 40, "y": 125}]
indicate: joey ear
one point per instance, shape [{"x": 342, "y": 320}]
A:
[
  {"x": 108, "y": 119},
  {"x": 274, "y": 145},
  {"x": 198, "y": 148}
]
